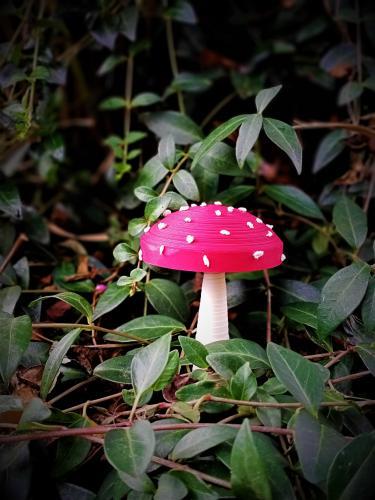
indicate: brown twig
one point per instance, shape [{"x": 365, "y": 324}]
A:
[
  {"x": 59, "y": 231},
  {"x": 70, "y": 390},
  {"x": 352, "y": 376},
  {"x": 22, "y": 238},
  {"x": 337, "y": 358},
  {"x": 359, "y": 129}
]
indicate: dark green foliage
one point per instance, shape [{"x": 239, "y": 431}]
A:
[{"x": 114, "y": 112}]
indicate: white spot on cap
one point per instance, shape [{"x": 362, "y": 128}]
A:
[
  {"x": 187, "y": 219},
  {"x": 190, "y": 238},
  {"x": 269, "y": 234},
  {"x": 203, "y": 204},
  {"x": 230, "y": 209},
  {"x": 184, "y": 207},
  {"x": 146, "y": 229},
  {"x": 269, "y": 225},
  {"x": 217, "y": 212},
  {"x": 140, "y": 255},
  {"x": 206, "y": 262},
  {"x": 193, "y": 205},
  {"x": 217, "y": 203},
  {"x": 161, "y": 249},
  {"x": 242, "y": 209},
  {"x": 259, "y": 220},
  {"x": 258, "y": 254},
  {"x": 250, "y": 225},
  {"x": 283, "y": 257},
  {"x": 162, "y": 225},
  {"x": 167, "y": 212},
  {"x": 225, "y": 232}
]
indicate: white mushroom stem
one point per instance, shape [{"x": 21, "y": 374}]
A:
[{"x": 213, "y": 309}]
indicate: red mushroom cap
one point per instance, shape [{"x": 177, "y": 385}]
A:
[{"x": 211, "y": 239}]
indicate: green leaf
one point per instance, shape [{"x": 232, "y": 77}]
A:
[
  {"x": 113, "y": 103},
  {"x": 367, "y": 354},
  {"x": 235, "y": 194},
  {"x": 285, "y": 137},
  {"x": 169, "y": 371},
  {"x": 368, "y": 307},
  {"x": 298, "y": 291},
  {"x": 329, "y": 148},
  {"x": 249, "y": 476},
  {"x": 295, "y": 199},
  {"x": 247, "y": 137},
  {"x": 352, "y": 473},
  {"x": 170, "y": 488},
  {"x": 185, "y": 184},
  {"x": 217, "y": 135},
  {"x": 304, "y": 379},
  {"x": 130, "y": 450},
  {"x": 149, "y": 363},
  {"x": 350, "y": 221},
  {"x": 8, "y": 298},
  {"x": 110, "y": 299},
  {"x": 55, "y": 358},
  {"x": 190, "y": 82},
  {"x": 73, "y": 299},
  {"x": 341, "y": 295},
  {"x": 179, "y": 126},
  {"x": 225, "y": 364},
  {"x": 183, "y": 12},
  {"x": 199, "y": 440},
  {"x": 302, "y": 312},
  {"x": 243, "y": 384},
  {"x": 148, "y": 327},
  {"x": 15, "y": 335},
  {"x": 152, "y": 173},
  {"x": 145, "y": 99},
  {"x": 265, "y": 96},
  {"x": 245, "y": 350},
  {"x": 123, "y": 252},
  {"x": 167, "y": 298},
  {"x": 115, "y": 369},
  {"x": 268, "y": 416},
  {"x": 145, "y": 193},
  {"x": 136, "y": 226},
  {"x": 198, "y": 489},
  {"x": 109, "y": 64},
  {"x": 194, "y": 351},
  {"x": 221, "y": 159},
  {"x": 156, "y": 207},
  {"x": 317, "y": 445},
  {"x": 10, "y": 202},
  {"x": 349, "y": 92},
  {"x": 167, "y": 151},
  {"x": 112, "y": 488}
]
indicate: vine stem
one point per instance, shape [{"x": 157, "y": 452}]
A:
[
  {"x": 173, "y": 60},
  {"x": 360, "y": 129},
  {"x": 103, "y": 429},
  {"x": 22, "y": 238},
  {"x": 128, "y": 96},
  {"x": 219, "y": 106},
  {"x": 89, "y": 328},
  {"x": 173, "y": 173},
  {"x": 70, "y": 390},
  {"x": 34, "y": 64}
]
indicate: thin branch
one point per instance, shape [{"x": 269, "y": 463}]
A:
[
  {"x": 173, "y": 60},
  {"x": 22, "y": 238},
  {"x": 359, "y": 129},
  {"x": 102, "y": 429},
  {"x": 89, "y": 328},
  {"x": 70, "y": 390},
  {"x": 337, "y": 358},
  {"x": 352, "y": 376},
  {"x": 93, "y": 402},
  {"x": 219, "y": 106}
]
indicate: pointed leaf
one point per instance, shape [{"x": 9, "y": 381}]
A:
[
  {"x": 148, "y": 364},
  {"x": 8, "y": 298},
  {"x": 302, "y": 312},
  {"x": 352, "y": 473},
  {"x": 130, "y": 450},
  {"x": 368, "y": 307},
  {"x": 111, "y": 298},
  {"x": 185, "y": 184},
  {"x": 148, "y": 327},
  {"x": 243, "y": 384},
  {"x": 247, "y": 137},
  {"x": 265, "y": 96},
  {"x": 55, "y": 358},
  {"x": 304, "y": 379},
  {"x": 170, "y": 488},
  {"x": 341, "y": 295},
  {"x": 199, "y": 440},
  {"x": 249, "y": 476},
  {"x": 350, "y": 221},
  {"x": 115, "y": 369},
  {"x": 194, "y": 351},
  {"x": 317, "y": 445},
  {"x": 179, "y": 126},
  {"x": 167, "y": 151},
  {"x": 295, "y": 199},
  {"x": 217, "y": 135},
  {"x": 284, "y": 136},
  {"x": 73, "y": 299},
  {"x": 330, "y": 147},
  {"x": 167, "y": 298},
  {"x": 15, "y": 335}
]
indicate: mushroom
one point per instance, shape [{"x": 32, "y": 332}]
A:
[{"x": 212, "y": 239}]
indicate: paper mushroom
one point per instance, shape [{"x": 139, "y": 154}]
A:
[{"x": 212, "y": 239}]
